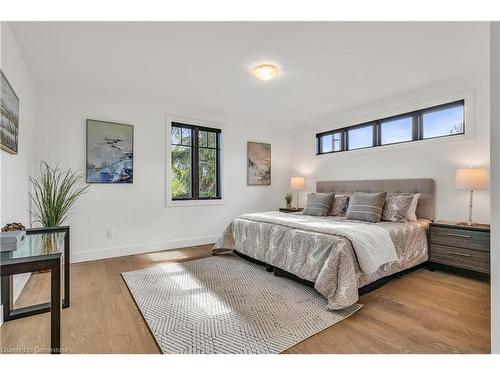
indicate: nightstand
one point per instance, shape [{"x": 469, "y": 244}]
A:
[
  {"x": 461, "y": 246},
  {"x": 290, "y": 210}
]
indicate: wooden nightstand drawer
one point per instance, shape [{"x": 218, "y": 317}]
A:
[
  {"x": 464, "y": 238},
  {"x": 459, "y": 257}
]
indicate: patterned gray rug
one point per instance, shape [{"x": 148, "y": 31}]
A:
[{"x": 224, "y": 304}]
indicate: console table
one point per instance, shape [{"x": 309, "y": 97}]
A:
[{"x": 42, "y": 250}]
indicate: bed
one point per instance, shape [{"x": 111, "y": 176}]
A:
[{"x": 340, "y": 258}]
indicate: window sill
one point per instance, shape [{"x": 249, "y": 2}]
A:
[{"x": 194, "y": 203}]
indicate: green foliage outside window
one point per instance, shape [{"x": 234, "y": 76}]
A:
[
  {"x": 181, "y": 176},
  {"x": 181, "y": 172}
]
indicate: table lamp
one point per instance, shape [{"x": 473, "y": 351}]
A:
[
  {"x": 471, "y": 179},
  {"x": 297, "y": 183}
]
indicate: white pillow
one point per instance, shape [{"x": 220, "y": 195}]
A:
[{"x": 411, "y": 214}]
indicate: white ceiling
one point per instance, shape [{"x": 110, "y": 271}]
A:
[{"x": 326, "y": 67}]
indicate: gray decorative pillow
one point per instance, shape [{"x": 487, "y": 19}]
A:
[
  {"x": 318, "y": 204},
  {"x": 366, "y": 206},
  {"x": 339, "y": 206},
  {"x": 396, "y": 207}
]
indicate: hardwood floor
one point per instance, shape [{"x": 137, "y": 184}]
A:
[{"x": 422, "y": 312}]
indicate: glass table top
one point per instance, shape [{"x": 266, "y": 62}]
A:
[{"x": 36, "y": 244}]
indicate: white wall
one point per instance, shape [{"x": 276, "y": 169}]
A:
[
  {"x": 136, "y": 214},
  {"x": 495, "y": 187},
  {"x": 437, "y": 159},
  {"x": 15, "y": 169}
]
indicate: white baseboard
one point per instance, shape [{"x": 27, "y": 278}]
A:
[{"x": 114, "y": 252}]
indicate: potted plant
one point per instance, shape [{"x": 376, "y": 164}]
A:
[
  {"x": 53, "y": 195},
  {"x": 288, "y": 200}
]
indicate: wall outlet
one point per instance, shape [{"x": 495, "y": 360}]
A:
[{"x": 109, "y": 234}]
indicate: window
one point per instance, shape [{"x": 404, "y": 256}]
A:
[
  {"x": 195, "y": 169},
  {"x": 360, "y": 137},
  {"x": 439, "y": 121},
  {"x": 396, "y": 130},
  {"x": 443, "y": 122},
  {"x": 331, "y": 142}
]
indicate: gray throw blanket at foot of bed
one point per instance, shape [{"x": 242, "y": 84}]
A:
[{"x": 329, "y": 253}]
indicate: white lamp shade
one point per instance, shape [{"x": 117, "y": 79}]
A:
[
  {"x": 297, "y": 183},
  {"x": 472, "y": 179}
]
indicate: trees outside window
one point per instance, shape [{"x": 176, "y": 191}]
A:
[{"x": 195, "y": 169}]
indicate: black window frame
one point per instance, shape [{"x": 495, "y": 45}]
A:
[
  {"x": 360, "y": 126},
  {"x": 417, "y": 128},
  {"x": 414, "y": 125},
  {"x": 342, "y": 140},
  {"x": 195, "y": 165}
]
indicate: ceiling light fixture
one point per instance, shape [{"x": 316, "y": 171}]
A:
[{"x": 265, "y": 72}]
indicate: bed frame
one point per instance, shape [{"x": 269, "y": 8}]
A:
[
  {"x": 425, "y": 210},
  {"x": 363, "y": 290}
]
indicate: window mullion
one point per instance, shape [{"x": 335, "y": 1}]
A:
[
  {"x": 420, "y": 132},
  {"x": 195, "y": 164},
  {"x": 376, "y": 134},
  {"x": 217, "y": 165},
  {"x": 414, "y": 126}
]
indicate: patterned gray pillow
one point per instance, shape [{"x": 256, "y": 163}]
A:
[
  {"x": 318, "y": 204},
  {"x": 396, "y": 208},
  {"x": 366, "y": 206},
  {"x": 339, "y": 206}
]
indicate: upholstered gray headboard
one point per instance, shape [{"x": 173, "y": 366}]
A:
[{"x": 424, "y": 186}]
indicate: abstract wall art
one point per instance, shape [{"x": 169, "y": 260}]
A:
[
  {"x": 258, "y": 164},
  {"x": 110, "y": 152},
  {"x": 9, "y": 120}
]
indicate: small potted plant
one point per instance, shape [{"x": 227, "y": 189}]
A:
[
  {"x": 53, "y": 193},
  {"x": 288, "y": 200}
]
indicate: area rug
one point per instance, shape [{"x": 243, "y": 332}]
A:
[{"x": 225, "y": 304}]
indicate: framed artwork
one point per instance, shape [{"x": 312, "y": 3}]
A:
[
  {"x": 258, "y": 164},
  {"x": 9, "y": 122},
  {"x": 110, "y": 152}
]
